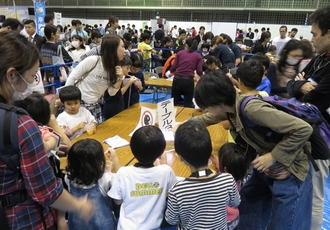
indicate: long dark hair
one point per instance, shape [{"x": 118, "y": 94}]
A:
[
  {"x": 293, "y": 44},
  {"x": 86, "y": 162},
  {"x": 263, "y": 37},
  {"x": 108, "y": 53},
  {"x": 192, "y": 44}
]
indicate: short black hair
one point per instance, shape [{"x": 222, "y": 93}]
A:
[
  {"x": 126, "y": 61},
  {"x": 214, "y": 89},
  {"x": 250, "y": 73},
  {"x": 96, "y": 34},
  {"x": 86, "y": 162},
  {"x": 13, "y": 23},
  {"x": 29, "y": 21},
  {"x": 193, "y": 143},
  {"x": 294, "y": 29},
  {"x": 127, "y": 37},
  {"x": 321, "y": 18},
  {"x": 48, "y": 18},
  {"x": 127, "y": 44},
  {"x": 272, "y": 48},
  {"x": 261, "y": 58},
  {"x": 205, "y": 45},
  {"x": 212, "y": 59},
  {"x": 137, "y": 60},
  {"x": 145, "y": 36},
  {"x": 167, "y": 39},
  {"x": 182, "y": 32},
  {"x": 147, "y": 144},
  {"x": 78, "y": 22},
  {"x": 37, "y": 106},
  {"x": 232, "y": 160},
  {"x": 70, "y": 93},
  {"x": 160, "y": 26}
]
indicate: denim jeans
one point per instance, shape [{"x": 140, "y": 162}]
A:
[
  {"x": 276, "y": 204},
  {"x": 183, "y": 86},
  {"x": 103, "y": 218}
]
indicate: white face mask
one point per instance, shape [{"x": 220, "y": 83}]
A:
[
  {"x": 18, "y": 96},
  {"x": 208, "y": 40},
  {"x": 292, "y": 61},
  {"x": 75, "y": 44}
]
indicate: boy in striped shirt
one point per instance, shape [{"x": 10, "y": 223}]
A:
[{"x": 199, "y": 201}]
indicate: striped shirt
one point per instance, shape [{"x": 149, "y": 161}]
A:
[{"x": 201, "y": 203}]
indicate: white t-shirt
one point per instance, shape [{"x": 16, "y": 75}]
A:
[
  {"x": 143, "y": 191},
  {"x": 72, "y": 120},
  {"x": 174, "y": 33},
  {"x": 280, "y": 43},
  {"x": 76, "y": 54},
  {"x": 105, "y": 183},
  {"x": 94, "y": 85}
]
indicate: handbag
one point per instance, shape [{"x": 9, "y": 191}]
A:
[{"x": 58, "y": 60}]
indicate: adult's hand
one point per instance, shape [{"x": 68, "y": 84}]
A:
[{"x": 307, "y": 87}]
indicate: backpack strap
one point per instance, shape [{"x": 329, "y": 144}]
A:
[
  {"x": 9, "y": 146},
  {"x": 270, "y": 134}
]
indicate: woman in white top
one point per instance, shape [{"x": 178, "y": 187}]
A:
[
  {"x": 77, "y": 48},
  {"x": 95, "y": 74}
]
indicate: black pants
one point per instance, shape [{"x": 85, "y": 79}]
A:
[{"x": 183, "y": 86}]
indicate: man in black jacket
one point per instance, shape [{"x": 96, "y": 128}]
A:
[
  {"x": 313, "y": 86},
  {"x": 30, "y": 27}
]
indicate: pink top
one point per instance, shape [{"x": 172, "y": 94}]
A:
[
  {"x": 46, "y": 132},
  {"x": 233, "y": 213}
]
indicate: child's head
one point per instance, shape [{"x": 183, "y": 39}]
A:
[
  {"x": 96, "y": 36},
  {"x": 272, "y": 49},
  {"x": 193, "y": 143},
  {"x": 37, "y": 106},
  {"x": 168, "y": 42},
  {"x": 146, "y": 38},
  {"x": 205, "y": 47},
  {"x": 263, "y": 59},
  {"x": 125, "y": 65},
  {"x": 128, "y": 45},
  {"x": 137, "y": 62},
  {"x": 212, "y": 63},
  {"x": 70, "y": 96},
  {"x": 232, "y": 160},
  {"x": 182, "y": 35},
  {"x": 250, "y": 73},
  {"x": 147, "y": 144},
  {"x": 86, "y": 162}
]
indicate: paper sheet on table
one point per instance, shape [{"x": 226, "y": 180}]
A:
[{"x": 116, "y": 142}]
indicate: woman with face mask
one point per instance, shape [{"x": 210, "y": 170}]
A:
[
  {"x": 77, "y": 48},
  {"x": 286, "y": 67},
  {"x": 32, "y": 189},
  {"x": 50, "y": 49}
]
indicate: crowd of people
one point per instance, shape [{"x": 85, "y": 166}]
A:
[{"x": 260, "y": 183}]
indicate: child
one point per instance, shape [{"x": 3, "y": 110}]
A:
[
  {"x": 213, "y": 64},
  {"x": 232, "y": 160},
  {"x": 115, "y": 104},
  {"x": 265, "y": 84},
  {"x": 199, "y": 201},
  {"x": 142, "y": 189},
  {"x": 205, "y": 50},
  {"x": 38, "y": 108},
  {"x": 271, "y": 53},
  {"x": 132, "y": 95},
  {"x": 146, "y": 49},
  {"x": 75, "y": 117},
  {"x": 87, "y": 177}
]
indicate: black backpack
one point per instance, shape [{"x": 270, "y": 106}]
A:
[{"x": 9, "y": 146}]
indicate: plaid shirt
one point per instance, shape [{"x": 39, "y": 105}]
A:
[{"x": 36, "y": 176}]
